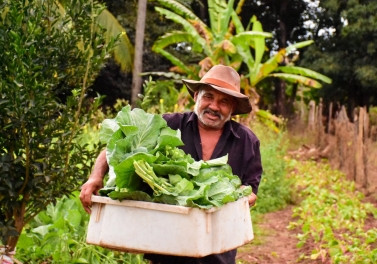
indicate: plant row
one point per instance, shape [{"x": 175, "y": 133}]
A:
[{"x": 332, "y": 215}]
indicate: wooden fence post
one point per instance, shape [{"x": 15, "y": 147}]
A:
[
  {"x": 329, "y": 123},
  {"x": 349, "y": 146},
  {"x": 311, "y": 119},
  {"x": 360, "y": 176},
  {"x": 319, "y": 125}
]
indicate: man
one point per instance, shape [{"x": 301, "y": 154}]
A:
[{"x": 207, "y": 133}]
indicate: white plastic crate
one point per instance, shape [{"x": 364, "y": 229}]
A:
[{"x": 145, "y": 227}]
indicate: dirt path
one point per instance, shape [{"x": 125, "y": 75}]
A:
[{"x": 273, "y": 243}]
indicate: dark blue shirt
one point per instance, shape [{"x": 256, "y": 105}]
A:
[
  {"x": 237, "y": 140},
  {"x": 242, "y": 147}
]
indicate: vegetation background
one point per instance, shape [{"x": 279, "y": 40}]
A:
[{"x": 66, "y": 65}]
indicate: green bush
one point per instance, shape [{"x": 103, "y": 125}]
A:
[
  {"x": 159, "y": 96},
  {"x": 49, "y": 57},
  {"x": 57, "y": 235},
  {"x": 373, "y": 116}
]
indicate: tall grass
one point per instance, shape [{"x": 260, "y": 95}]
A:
[{"x": 274, "y": 189}]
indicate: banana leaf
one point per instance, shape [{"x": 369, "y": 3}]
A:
[
  {"x": 293, "y": 78},
  {"x": 123, "y": 52},
  {"x": 304, "y": 72}
]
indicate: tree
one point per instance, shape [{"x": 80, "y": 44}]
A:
[
  {"x": 49, "y": 58},
  {"x": 345, "y": 35},
  {"x": 139, "y": 41}
]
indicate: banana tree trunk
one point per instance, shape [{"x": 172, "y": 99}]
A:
[{"x": 138, "y": 57}]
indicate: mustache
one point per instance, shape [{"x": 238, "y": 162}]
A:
[{"x": 210, "y": 111}]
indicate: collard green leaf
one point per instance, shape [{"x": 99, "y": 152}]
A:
[
  {"x": 148, "y": 125},
  {"x": 216, "y": 162},
  {"x": 108, "y": 128},
  {"x": 166, "y": 169},
  {"x": 118, "y": 150},
  {"x": 129, "y": 130},
  {"x": 183, "y": 187},
  {"x": 133, "y": 195},
  {"x": 125, "y": 171},
  {"x": 170, "y": 137},
  {"x": 221, "y": 189},
  {"x": 106, "y": 190}
]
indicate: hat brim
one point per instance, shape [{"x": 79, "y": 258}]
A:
[{"x": 243, "y": 105}]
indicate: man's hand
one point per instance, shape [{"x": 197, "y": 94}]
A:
[
  {"x": 252, "y": 199},
  {"x": 92, "y": 186},
  {"x": 95, "y": 182}
]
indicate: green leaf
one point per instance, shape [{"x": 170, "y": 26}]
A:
[
  {"x": 169, "y": 137},
  {"x": 80, "y": 261},
  {"x": 129, "y": 130},
  {"x": 293, "y": 78},
  {"x": 125, "y": 171},
  {"x": 124, "y": 49},
  {"x": 220, "y": 189},
  {"x": 304, "y": 72},
  {"x": 189, "y": 27},
  {"x": 299, "y": 45},
  {"x": 166, "y": 169},
  {"x": 178, "y": 8},
  {"x": 42, "y": 230},
  {"x": 73, "y": 217},
  {"x": 148, "y": 125},
  {"x": 108, "y": 128},
  {"x": 259, "y": 42},
  {"x": 220, "y": 13},
  {"x": 266, "y": 68},
  {"x": 130, "y": 195},
  {"x": 216, "y": 162}
]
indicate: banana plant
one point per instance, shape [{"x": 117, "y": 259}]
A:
[
  {"x": 123, "y": 52},
  {"x": 214, "y": 42},
  {"x": 219, "y": 44}
]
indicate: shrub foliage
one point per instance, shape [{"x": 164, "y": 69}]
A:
[{"x": 49, "y": 57}]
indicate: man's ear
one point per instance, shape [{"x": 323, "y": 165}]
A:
[{"x": 196, "y": 95}]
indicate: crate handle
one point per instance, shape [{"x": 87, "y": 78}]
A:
[
  {"x": 98, "y": 213},
  {"x": 208, "y": 223}
]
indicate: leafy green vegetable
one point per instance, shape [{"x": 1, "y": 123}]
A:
[{"x": 147, "y": 164}]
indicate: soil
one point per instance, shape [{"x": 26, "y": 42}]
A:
[{"x": 274, "y": 243}]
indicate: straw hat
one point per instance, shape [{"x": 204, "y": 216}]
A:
[{"x": 226, "y": 80}]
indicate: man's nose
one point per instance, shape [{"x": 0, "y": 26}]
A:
[{"x": 214, "y": 105}]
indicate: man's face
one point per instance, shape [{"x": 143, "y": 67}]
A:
[{"x": 213, "y": 108}]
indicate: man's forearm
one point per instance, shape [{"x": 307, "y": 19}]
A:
[{"x": 100, "y": 166}]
